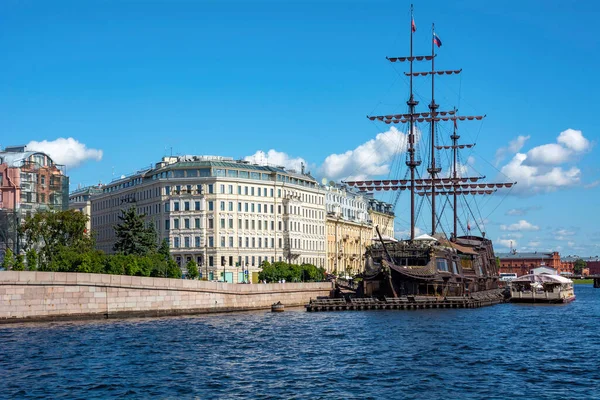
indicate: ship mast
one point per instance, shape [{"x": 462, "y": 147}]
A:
[
  {"x": 434, "y": 185},
  {"x": 432, "y": 109},
  {"x": 454, "y": 138},
  {"x": 412, "y": 103}
]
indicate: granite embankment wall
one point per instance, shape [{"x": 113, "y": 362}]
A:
[{"x": 26, "y": 295}]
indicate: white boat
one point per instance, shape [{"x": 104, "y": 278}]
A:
[{"x": 541, "y": 288}]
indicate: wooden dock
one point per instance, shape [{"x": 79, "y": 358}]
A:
[{"x": 477, "y": 300}]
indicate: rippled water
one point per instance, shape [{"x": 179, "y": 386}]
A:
[{"x": 500, "y": 352}]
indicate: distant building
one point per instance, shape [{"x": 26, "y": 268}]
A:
[
  {"x": 381, "y": 215},
  {"x": 593, "y": 265},
  {"x": 543, "y": 270},
  {"x": 349, "y": 229},
  {"x": 29, "y": 181},
  {"x": 524, "y": 263},
  {"x": 80, "y": 200},
  {"x": 229, "y": 216}
]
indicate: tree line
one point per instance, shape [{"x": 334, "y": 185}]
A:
[{"x": 60, "y": 242}]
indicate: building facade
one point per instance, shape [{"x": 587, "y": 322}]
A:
[
  {"x": 29, "y": 181},
  {"x": 524, "y": 263},
  {"x": 229, "y": 216},
  {"x": 381, "y": 215},
  {"x": 349, "y": 229},
  {"x": 80, "y": 200}
]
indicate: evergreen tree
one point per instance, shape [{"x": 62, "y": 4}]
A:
[
  {"x": 164, "y": 249},
  {"x": 19, "y": 263},
  {"x": 192, "y": 269},
  {"x": 9, "y": 260},
  {"x": 132, "y": 236},
  {"x": 32, "y": 259}
]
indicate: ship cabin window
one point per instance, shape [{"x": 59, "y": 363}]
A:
[
  {"x": 442, "y": 264},
  {"x": 454, "y": 267}
]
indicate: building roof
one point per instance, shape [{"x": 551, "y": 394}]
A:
[{"x": 523, "y": 256}]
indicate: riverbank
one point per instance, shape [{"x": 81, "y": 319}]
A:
[
  {"x": 49, "y": 296},
  {"x": 582, "y": 281}
]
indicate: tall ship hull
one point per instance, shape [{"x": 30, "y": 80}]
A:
[{"x": 430, "y": 267}]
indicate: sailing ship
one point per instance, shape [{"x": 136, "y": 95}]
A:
[{"x": 430, "y": 265}]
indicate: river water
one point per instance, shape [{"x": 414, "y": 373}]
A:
[{"x": 500, "y": 352}]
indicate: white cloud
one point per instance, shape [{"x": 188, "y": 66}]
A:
[
  {"x": 574, "y": 140},
  {"x": 69, "y": 152},
  {"x": 505, "y": 243},
  {"x": 534, "y": 244},
  {"x": 406, "y": 233},
  {"x": 513, "y": 146},
  {"x": 592, "y": 184},
  {"x": 369, "y": 159},
  {"x": 276, "y": 158},
  {"x": 571, "y": 244},
  {"x": 548, "y": 154},
  {"x": 512, "y": 235},
  {"x": 522, "y": 211},
  {"x": 522, "y": 225},
  {"x": 564, "y": 232},
  {"x": 539, "y": 170}
]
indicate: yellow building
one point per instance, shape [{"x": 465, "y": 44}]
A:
[
  {"x": 346, "y": 244},
  {"x": 381, "y": 214}
]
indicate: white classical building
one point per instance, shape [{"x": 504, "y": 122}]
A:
[{"x": 227, "y": 215}]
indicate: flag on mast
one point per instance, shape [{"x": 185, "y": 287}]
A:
[
  {"x": 412, "y": 24},
  {"x": 436, "y": 40}
]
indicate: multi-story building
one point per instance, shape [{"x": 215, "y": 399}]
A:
[
  {"x": 229, "y": 216},
  {"x": 80, "y": 200},
  {"x": 523, "y": 263},
  {"x": 349, "y": 229},
  {"x": 382, "y": 215},
  {"x": 29, "y": 181}
]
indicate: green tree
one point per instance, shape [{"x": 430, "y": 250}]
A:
[
  {"x": 19, "y": 263},
  {"x": 579, "y": 266},
  {"x": 192, "y": 269},
  {"x": 164, "y": 249},
  {"x": 32, "y": 259},
  {"x": 9, "y": 260},
  {"x": 54, "y": 230},
  {"x": 132, "y": 236}
]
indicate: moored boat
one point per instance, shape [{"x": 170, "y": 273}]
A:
[{"x": 542, "y": 288}]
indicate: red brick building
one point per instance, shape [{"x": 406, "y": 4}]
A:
[
  {"x": 523, "y": 263},
  {"x": 593, "y": 265}
]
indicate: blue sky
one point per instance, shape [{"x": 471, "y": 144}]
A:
[{"x": 131, "y": 81}]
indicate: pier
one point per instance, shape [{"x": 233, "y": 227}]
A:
[{"x": 483, "y": 299}]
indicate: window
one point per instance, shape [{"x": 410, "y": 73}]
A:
[
  {"x": 186, "y": 206},
  {"x": 246, "y": 207},
  {"x": 211, "y": 263},
  {"x": 211, "y": 206},
  {"x": 240, "y": 241},
  {"x": 222, "y": 241},
  {"x": 186, "y": 241},
  {"x": 176, "y": 223},
  {"x": 222, "y": 189},
  {"x": 186, "y": 224},
  {"x": 231, "y": 206},
  {"x": 230, "y": 241},
  {"x": 230, "y": 189},
  {"x": 211, "y": 190},
  {"x": 240, "y": 223},
  {"x": 271, "y": 208},
  {"x": 442, "y": 264},
  {"x": 253, "y": 242},
  {"x": 239, "y": 190},
  {"x": 259, "y": 242},
  {"x": 211, "y": 243},
  {"x": 271, "y": 192},
  {"x": 211, "y": 224},
  {"x": 259, "y": 224},
  {"x": 222, "y": 206},
  {"x": 252, "y": 207},
  {"x": 252, "y": 191},
  {"x": 259, "y": 207},
  {"x": 222, "y": 223},
  {"x": 247, "y": 243},
  {"x": 176, "y": 242},
  {"x": 230, "y": 223},
  {"x": 167, "y": 190},
  {"x": 239, "y": 207},
  {"x": 197, "y": 223},
  {"x": 175, "y": 206},
  {"x": 167, "y": 207},
  {"x": 197, "y": 241},
  {"x": 167, "y": 224},
  {"x": 454, "y": 267}
]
